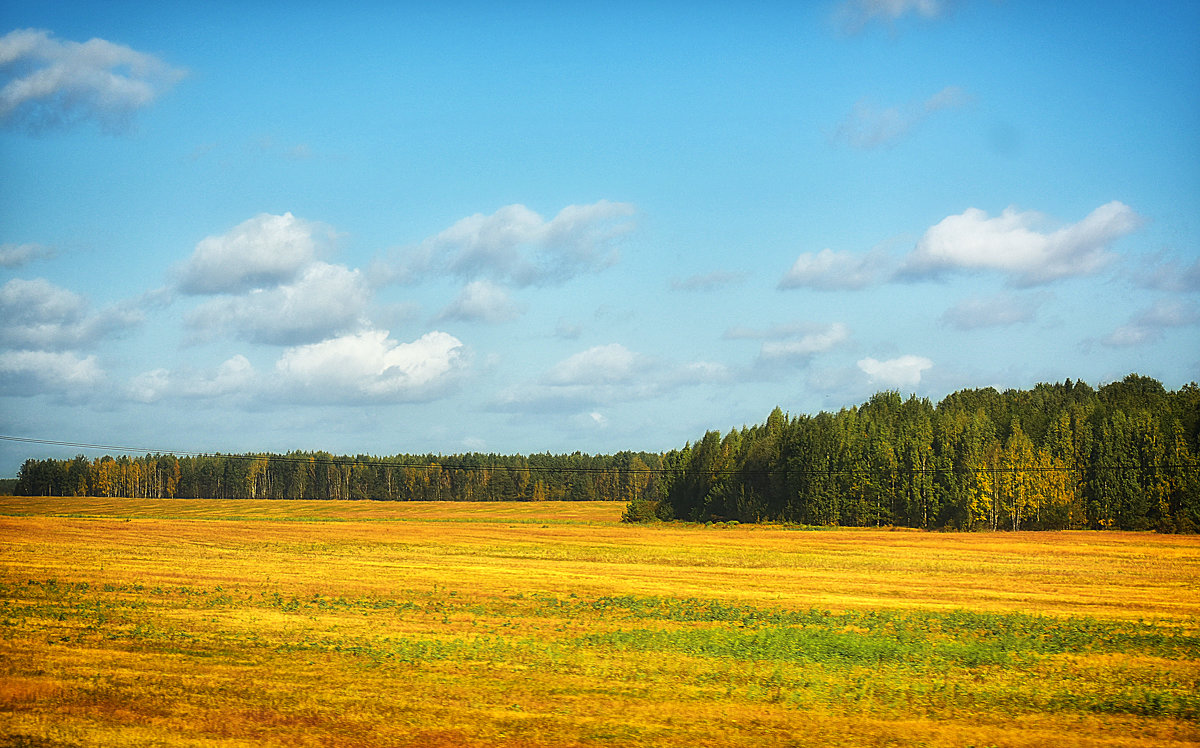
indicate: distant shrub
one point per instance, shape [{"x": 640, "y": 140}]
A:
[{"x": 643, "y": 510}]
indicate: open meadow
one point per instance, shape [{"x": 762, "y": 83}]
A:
[{"x": 273, "y": 623}]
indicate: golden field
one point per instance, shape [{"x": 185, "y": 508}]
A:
[{"x": 252, "y": 623}]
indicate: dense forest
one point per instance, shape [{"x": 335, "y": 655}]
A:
[{"x": 1058, "y": 456}]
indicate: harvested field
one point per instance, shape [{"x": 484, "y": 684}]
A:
[{"x": 239, "y": 623}]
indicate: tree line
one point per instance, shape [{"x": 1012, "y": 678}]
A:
[
  {"x": 623, "y": 476},
  {"x": 1059, "y": 456}
]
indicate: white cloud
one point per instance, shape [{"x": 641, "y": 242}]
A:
[
  {"x": 37, "y": 314},
  {"x": 323, "y": 301},
  {"x": 1131, "y": 335},
  {"x": 816, "y": 341},
  {"x": 994, "y": 311},
  {"x": 370, "y": 366},
  {"x": 150, "y": 386},
  {"x": 904, "y": 371},
  {"x": 828, "y": 270},
  {"x": 27, "y": 373},
  {"x": 269, "y": 285},
  {"x": 264, "y": 251},
  {"x": 1149, "y": 325},
  {"x": 48, "y": 83},
  {"x": 785, "y": 347},
  {"x": 1010, "y": 243},
  {"x": 603, "y": 364},
  {"x": 1170, "y": 313},
  {"x": 482, "y": 301},
  {"x": 234, "y": 376},
  {"x": 16, "y": 255},
  {"x": 516, "y": 245},
  {"x": 38, "y": 300},
  {"x": 869, "y": 126}
]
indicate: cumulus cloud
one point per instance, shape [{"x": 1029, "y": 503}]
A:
[
  {"x": 269, "y": 285},
  {"x": 994, "y": 311},
  {"x": 481, "y": 301},
  {"x": 1012, "y": 244},
  {"x": 904, "y": 371},
  {"x": 29, "y": 373},
  {"x": 234, "y": 376},
  {"x": 39, "y": 315},
  {"x": 828, "y": 270},
  {"x": 51, "y": 84},
  {"x": 516, "y": 245},
  {"x": 16, "y": 255},
  {"x": 870, "y": 126},
  {"x": 1149, "y": 325},
  {"x": 323, "y": 301},
  {"x": 264, "y": 251},
  {"x": 369, "y": 366}
]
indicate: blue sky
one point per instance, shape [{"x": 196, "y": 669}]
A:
[{"x": 382, "y": 228}]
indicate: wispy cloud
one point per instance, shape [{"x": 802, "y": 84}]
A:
[
  {"x": 854, "y": 15},
  {"x": 1012, "y": 244},
  {"x": 605, "y": 375},
  {"x": 1173, "y": 275},
  {"x": 52, "y": 84},
  {"x": 830, "y": 270},
  {"x": 16, "y": 255},
  {"x": 869, "y": 126},
  {"x": 1000, "y": 310},
  {"x": 517, "y": 246},
  {"x": 804, "y": 347},
  {"x": 786, "y": 348},
  {"x": 1149, "y": 325}
]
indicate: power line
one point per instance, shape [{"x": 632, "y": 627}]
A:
[{"x": 114, "y": 448}]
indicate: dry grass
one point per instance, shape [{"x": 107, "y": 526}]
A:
[{"x": 364, "y": 623}]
